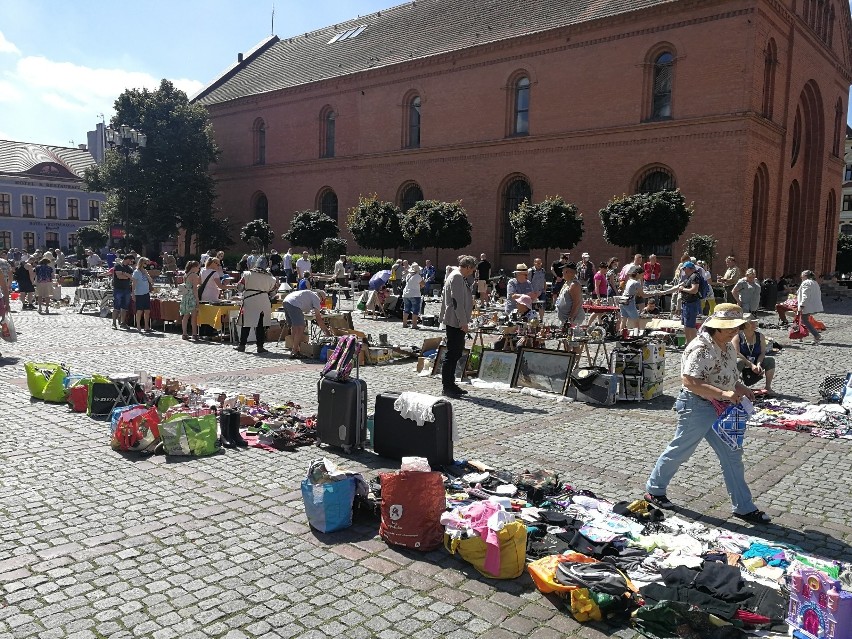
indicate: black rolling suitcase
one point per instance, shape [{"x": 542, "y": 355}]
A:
[
  {"x": 342, "y": 411},
  {"x": 396, "y": 437}
]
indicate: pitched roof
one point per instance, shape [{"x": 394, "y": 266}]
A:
[
  {"x": 40, "y": 160},
  {"x": 406, "y": 32}
]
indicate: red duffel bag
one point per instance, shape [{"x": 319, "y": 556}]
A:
[
  {"x": 78, "y": 398},
  {"x": 412, "y": 503}
]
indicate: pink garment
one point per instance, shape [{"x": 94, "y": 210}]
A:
[
  {"x": 478, "y": 515},
  {"x": 600, "y": 283}
]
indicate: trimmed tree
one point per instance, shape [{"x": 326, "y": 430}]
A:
[
  {"x": 309, "y": 229},
  {"x": 551, "y": 224},
  {"x": 703, "y": 247},
  {"x": 258, "y": 234},
  {"x": 430, "y": 223},
  {"x": 91, "y": 237},
  {"x": 375, "y": 224},
  {"x": 645, "y": 218},
  {"x": 844, "y": 254},
  {"x": 332, "y": 249}
]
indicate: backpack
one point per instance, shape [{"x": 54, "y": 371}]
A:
[
  {"x": 598, "y": 577},
  {"x": 338, "y": 366},
  {"x": 704, "y": 289}
]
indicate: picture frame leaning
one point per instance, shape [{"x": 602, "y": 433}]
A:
[
  {"x": 543, "y": 369},
  {"x": 498, "y": 366},
  {"x": 461, "y": 365}
]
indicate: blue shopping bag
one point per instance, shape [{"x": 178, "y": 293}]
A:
[{"x": 328, "y": 504}]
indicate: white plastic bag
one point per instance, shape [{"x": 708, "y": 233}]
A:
[{"x": 7, "y": 329}]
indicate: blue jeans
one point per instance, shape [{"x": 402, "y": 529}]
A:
[{"x": 694, "y": 423}]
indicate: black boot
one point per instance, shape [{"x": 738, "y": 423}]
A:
[
  {"x": 235, "y": 436},
  {"x": 225, "y": 428}
]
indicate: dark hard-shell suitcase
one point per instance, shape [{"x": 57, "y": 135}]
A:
[
  {"x": 342, "y": 413},
  {"x": 396, "y": 437}
]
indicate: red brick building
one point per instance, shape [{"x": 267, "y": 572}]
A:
[{"x": 739, "y": 103}]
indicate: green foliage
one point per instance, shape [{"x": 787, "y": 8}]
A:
[
  {"x": 258, "y": 234},
  {"x": 430, "y": 223},
  {"x": 703, "y": 247},
  {"x": 375, "y": 224},
  {"x": 369, "y": 263},
  {"x": 332, "y": 249},
  {"x": 218, "y": 233},
  {"x": 645, "y": 218},
  {"x": 844, "y": 253},
  {"x": 166, "y": 186},
  {"x": 91, "y": 237},
  {"x": 309, "y": 229},
  {"x": 550, "y": 224}
]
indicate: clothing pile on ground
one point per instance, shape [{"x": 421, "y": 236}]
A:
[
  {"x": 150, "y": 415},
  {"x": 830, "y": 421},
  {"x": 622, "y": 563}
]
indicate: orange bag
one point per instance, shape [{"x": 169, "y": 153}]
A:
[{"x": 543, "y": 571}]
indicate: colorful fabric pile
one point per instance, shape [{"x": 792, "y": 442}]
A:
[{"x": 829, "y": 421}]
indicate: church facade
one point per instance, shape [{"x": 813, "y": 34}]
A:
[{"x": 741, "y": 104}]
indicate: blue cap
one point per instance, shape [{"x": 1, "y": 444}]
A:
[{"x": 689, "y": 265}]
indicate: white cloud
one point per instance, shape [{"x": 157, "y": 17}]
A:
[
  {"x": 6, "y": 46},
  {"x": 9, "y": 92}
]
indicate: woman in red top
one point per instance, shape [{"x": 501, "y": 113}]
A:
[
  {"x": 600, "y": 281},
  {"x": 653, "y": 270}
]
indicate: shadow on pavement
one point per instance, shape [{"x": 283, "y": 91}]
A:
[{"x": 499, "y": 405}]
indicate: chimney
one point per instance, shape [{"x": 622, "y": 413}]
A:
[
  {"x": 82, "y": 147},
  {"x": 239, "y": 58}
]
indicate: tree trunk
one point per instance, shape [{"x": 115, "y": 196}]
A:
[
  {"x": 436, "y": 257},
  {"x": 187, "y": 242},
  {"x": 545, "y": 261}
]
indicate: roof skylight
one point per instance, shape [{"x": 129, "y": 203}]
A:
[{"x": 348, "y": 34}]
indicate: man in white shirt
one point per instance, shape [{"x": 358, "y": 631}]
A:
[
  {"x": 288, "y": 266},
  {"x": 303, "y": 264},
  {"x": 93, "y": 260}
]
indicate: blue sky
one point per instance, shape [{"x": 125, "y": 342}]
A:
[{"x": 63, "y": 62}]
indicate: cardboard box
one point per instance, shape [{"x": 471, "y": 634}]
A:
[
  {"x": 288, "y": 341},
  {"x": 275, "y": 331},
  {"x": 653, "y": 353},
  {"x": 310, "y": 350},
  {"x": 431, "y": 344},
  {"x": 342, "y": 320}
]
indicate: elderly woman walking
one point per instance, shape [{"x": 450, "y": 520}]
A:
[
  {"x": 710, "y": 380},
  {"x": 809, "y": 297}
]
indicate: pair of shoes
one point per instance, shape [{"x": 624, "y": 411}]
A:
[
  {"x": 295, "y": 355},
  {"x": 660, "y": 501},
  {"x": 114, "y": 326},
  {"x": 196, "y": 338},
  {"x": 260, "y": 349},
  {"x": 755, "y": 517},
  {"x": 240, "y": 349},
  {"x": 416, "y": 327},
  {"x": 125, "y": 327},
  {"x": 149, "y": 330},
  {"x": 186, "y": 337}
]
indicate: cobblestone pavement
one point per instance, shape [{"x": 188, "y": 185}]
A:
[{"x": 93, "y": 544}]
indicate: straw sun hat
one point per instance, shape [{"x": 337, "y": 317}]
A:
[{"x": 725, "y": 316}]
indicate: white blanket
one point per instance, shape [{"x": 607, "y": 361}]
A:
[{"x": 418, "y": 407}]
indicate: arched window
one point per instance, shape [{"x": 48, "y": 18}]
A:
[
  {"x": 820, "y": 15},
  {"x": 839, "y": 131},
  {"x": 409, "y": 196},
  {"x": 656, "y": 178},
  {"x": 770, "y": 63},
  {"x": 413, "y": 108},
  {"x": 328, "y": 203},
  {"x": 759, "y": 217},
  {"x": 259, "y": 141},
  {"x": 797, "y": 138},
  {"x": 261, "y": 207},
  {"x": 327, "y": 132},
  {"x": 661, "y": 106},
  {"x": 516, "y": 191},
  {"x": 521, "y": 107}
]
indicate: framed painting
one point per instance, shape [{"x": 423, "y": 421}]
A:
[
  {"x": 543, "y": 369},
  {"x": 497, "y": 366},
  {"x": 461, "y": 365}
]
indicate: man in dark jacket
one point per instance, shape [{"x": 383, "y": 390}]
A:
[{"x": 456, "y": 309}]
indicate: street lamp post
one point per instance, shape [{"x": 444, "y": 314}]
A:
[{"x": 126, "y": 141}]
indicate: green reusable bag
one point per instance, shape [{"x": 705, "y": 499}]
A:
[
  {"x": 166, "y": 402},
  {"x": 186, "y": 435},
  {"x": 46, "y": 381}
]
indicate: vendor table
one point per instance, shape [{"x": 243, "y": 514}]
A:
[
  {"x": 84, "y": 296},
  {"x": 215, "y": 315},
  {"x": 339, "y": 292},
  {"x": 161, "y": 310}
]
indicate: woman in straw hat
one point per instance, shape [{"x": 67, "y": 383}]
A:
[{"x": 710, "y": 379}]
